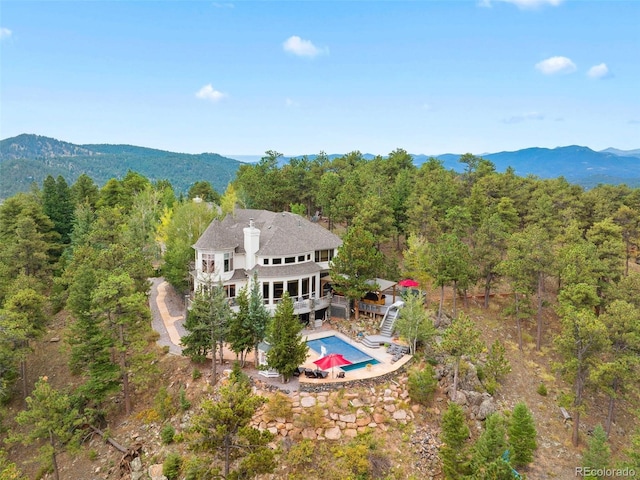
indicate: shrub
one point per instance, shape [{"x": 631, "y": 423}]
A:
[
  {"x": 163, "y": 403},
  {"x": 542, "y": 390},
  {"x": 196, "y": 374},
  {"x": 497, "y": 366},
  {"x": 312, "y": 417},
  {"x": 279, "y": 406},
  {"x": 167, "y": 434},
  {"x": 598, "y": 453},
  {"x": 422, "y": 385},
  {"x": 171, "y": 466},
  {"x": 185, "y": 404}
]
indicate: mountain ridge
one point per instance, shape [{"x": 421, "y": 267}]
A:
[{"x": 29, "y": 158}]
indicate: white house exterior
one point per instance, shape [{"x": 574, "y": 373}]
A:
[{"x": 287, "y": 252}]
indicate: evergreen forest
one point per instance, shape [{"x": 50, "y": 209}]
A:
[{"x": 532, "y": 284}]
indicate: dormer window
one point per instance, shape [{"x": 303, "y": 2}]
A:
[
  {"x": 324, "y": 255},
  {"x": 208, "y": 262}
]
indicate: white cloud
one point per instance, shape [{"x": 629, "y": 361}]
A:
[
  {"x": 5, "y": 33},
  {"x": 599, "y": 71},
  {"x": 291, "y": 103},
  {"x": 523, "y": 4},
  {"x": 523, "y": 118},
  {"x": 555, "y": 65},
  {"x": 302, "y": 48},
  {"x": 209, "y": 93}
]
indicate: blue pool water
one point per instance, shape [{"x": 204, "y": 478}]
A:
[{"x": 335, "y": 344}]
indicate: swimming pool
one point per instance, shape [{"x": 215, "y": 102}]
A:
[{"x": 333, "y": 344}]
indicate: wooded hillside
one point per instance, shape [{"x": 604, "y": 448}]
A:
[{"x": 75, "y": 259}]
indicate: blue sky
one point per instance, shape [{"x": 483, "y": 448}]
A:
[{"x": 302, "y": 77}]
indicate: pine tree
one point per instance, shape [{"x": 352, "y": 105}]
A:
[
  {"x": 497, "y": 366},
  {"x": 90, "y": 341},
  {"x": 223, "y": 427},
  {"x": 598, "y": 453},
  {"x": 358, "y": 260},
  {"x": 454, "y": 452},
  {"x": 207, "y": 322},
  {"x": 288, "y": 348},
  {"x": 522, "y": 436},
  {"x": 461, "y": 338},
  {"x": 258, "y": 318},
  {"x": 125, "y": 314},
  {"x": 50, "y": 417},
  {"x": 491, "y": 444},
  {"x": 239, "y": 333}
]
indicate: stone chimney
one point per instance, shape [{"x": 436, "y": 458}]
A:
[{"x": 251, "y": 244}]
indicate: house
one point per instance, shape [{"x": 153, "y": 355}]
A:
[{"x": 285, "y": 251}]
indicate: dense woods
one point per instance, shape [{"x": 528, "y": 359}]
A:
[{"x": 556, "y": 250}]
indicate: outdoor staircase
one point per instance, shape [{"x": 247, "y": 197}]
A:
[
  {"x": 388, "y": 321},
  {"x": 386, "y": 327}
]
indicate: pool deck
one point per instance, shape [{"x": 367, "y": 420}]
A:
[{"x": 385, "y": 366}]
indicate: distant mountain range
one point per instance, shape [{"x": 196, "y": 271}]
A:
[
  {"x": 577, "y": 164},
  {"x": 30, "y": 158}
]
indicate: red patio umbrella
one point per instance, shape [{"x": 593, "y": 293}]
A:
[
  {"x": 330, "y": 361},
  {"x": 408, "y": 283}
]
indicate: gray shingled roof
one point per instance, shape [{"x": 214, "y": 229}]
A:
[
  {"x": 293, "y": 270},
  {"x": 280, "y": 233}
]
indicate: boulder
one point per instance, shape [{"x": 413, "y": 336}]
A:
[
  {"x": 400, "y": 415},
  {"x": 461, "y": 398},
  {"x": 308, "y": 401},
  {"x": 486, "y": 408},
  {"x": 348, "y": 418},
  {"x": 333, "y": 433},
  {"x": 155, "y": 472}
]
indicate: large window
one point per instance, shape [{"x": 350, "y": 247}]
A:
[
  {"x": 208, "y": 262},
  {"x": 324, "y": 255},
  {"x": 228, "y": 262},
  {"x": 292, "y": 288},
  {"x": 265, "y": 292},
  {"x": 278, "y": 289},
  {"x": 230, "y": 290},
  {"x": 305, "y": 287}
]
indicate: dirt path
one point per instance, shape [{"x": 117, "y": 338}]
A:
[{"x": 167, "y": 310}]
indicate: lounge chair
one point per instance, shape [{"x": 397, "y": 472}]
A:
[
  {"x": 340, "y": 374},
  {"x": 310, "y": 373},
  {"x": 321, "y": 374},
  {"x": 397, "y": 356}
]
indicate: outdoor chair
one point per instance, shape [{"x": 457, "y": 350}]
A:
[
  {"x": 309, "y": 373},
  {"x": 321, "y": 374},
  {"x": 397, "y": 356},
  {"x": 340, "y": 374}
]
